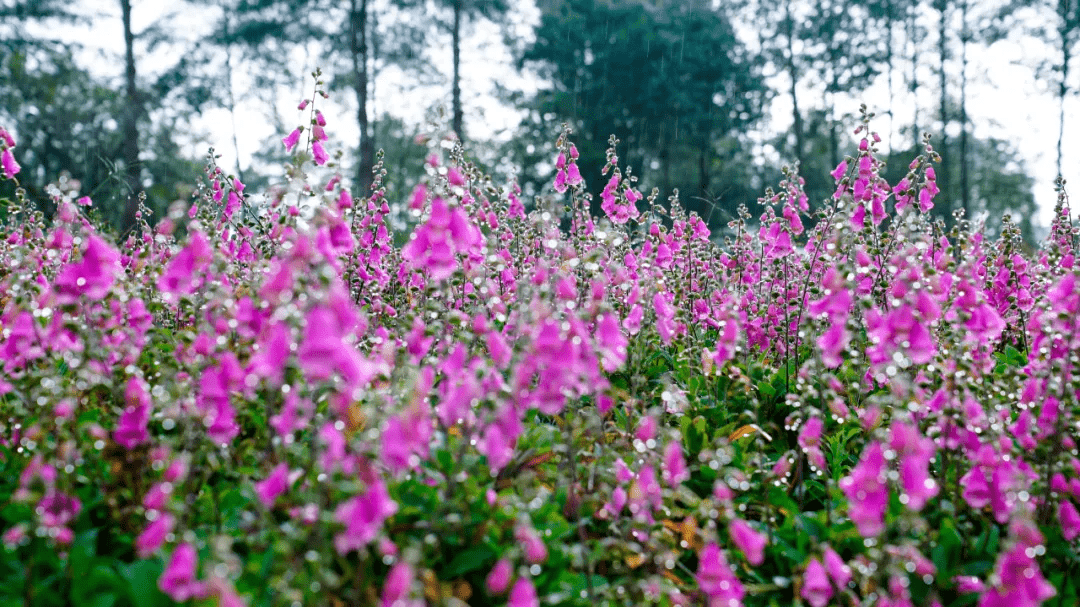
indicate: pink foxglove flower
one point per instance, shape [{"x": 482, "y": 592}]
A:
[
  {"x": 397, "y": 584},
  {"x": 178, "y": 580},
  {"x": 611, "y": 341},
  {"x": 292, "y": 139},
  {"x": 651, "y": 493},
  {"x": 573, "y": 174},
  {"x": 225, "y": 592},
  {"x": 716, "y": 579},
  {"x": 777, "y": 240},
  {"x": 646, "y": 428},
  {"x": 966, "y": 584},
  {"x": 750, "y": 542},
  {"x": 617, "y": 503},
  {"x": 436, "y": 244},
  {"x": 7, "y": 160},
  {"x": 215, "y": 387},
  {"x": 318, "y": 153},
  {"x": 345, "y": 200},
  {"x": 993, "y": 481},
  {"x": 455, "y": 176},
  {"x": 154, "y": 536},
  {"x": 272, "y": 355},
  {"x": 274, "y": 485},
  {"x": 158, "y": 496},
  {"x": 810, "y": 434},
  {"x": 56, "y": 510},
  {"x": 914, "y": 454},
  {"x": 324, "y": 350},
  {"x": 665, "y": 316},
  {"x": 176, "y": 472},
  {"x": 838, "y": 570},
  {"x": 902, "y": 196},
  {"x": 231, "y": 205},
  {"x": 567, "y": 173},
  {"x": 523, "y": 594},
  {"x": 363, "y": 517},
  {"x": 534, "y": 548},
  {"x": 131, "y": 429},
  {"x": 867, "y": 494},
  {"x": 93, "y": 275},
  {"x": 407, "y": 438},
  {"x": 498, "y": 440},
  {"x": 816, "y": 588},
  {"x": 632, "y": 322},
  {"x": 838, "y": 172},
  {"x": 1070, "y": 520},
  {"x": 617, "y": 211},
  {"x": 1020, "y": 582},
  {"x": 675, "y": 471},
  {"x": 499, "y": 579},
  {"x": 184, "y": 271}
]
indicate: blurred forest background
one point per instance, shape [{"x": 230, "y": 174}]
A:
[{"x": 692, "y": 89}]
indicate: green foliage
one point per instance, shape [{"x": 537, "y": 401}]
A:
[
  {"x": 69, "y": 136},
  {"x": 671, "y": 82}
]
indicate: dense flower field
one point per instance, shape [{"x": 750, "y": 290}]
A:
[{"x": 276, "y": 405}]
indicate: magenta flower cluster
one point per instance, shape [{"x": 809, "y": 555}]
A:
[{"x": 590, "y": 414}]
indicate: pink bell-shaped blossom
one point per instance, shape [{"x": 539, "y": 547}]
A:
[
  {"x": 292, "y": 139},
  {"x": 523, "y": 594},
  {"x": 499, "y": 579},
  {"x": 816, "y": 588},
  {"x": 867, "y": 493},
  {"x": 178, "y": 580},
  {"x": 363, "y": 517},
  {"x": 716, "y": 579},
  {"x": 749, "y": 541},
  {"x": 270, "y": 488}
]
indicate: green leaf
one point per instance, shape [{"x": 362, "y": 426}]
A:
[
  {"x": 473, "y": 559},
  {"x": 947, "y": 550},
  {"x": 693, "y": 436},
  {"x": 977, "y": 568},
  {"x": 83, "y": 550},
  {"x": 779, "y": 498},
  {"x": 104, "y": 599},
  {"x": 575, "y": 584},
  {"x": 766, "y": 390},
  {"x": 141, "y": 578},
  {"x": 695, "y": 384},
  {"x": 445, "y": 459},
  {"x": 780, "y": 383}
]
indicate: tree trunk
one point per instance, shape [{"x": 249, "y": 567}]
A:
[
  {"x": 1063, "y": 88},
  {"x": 665, "y": 159},
  {"x": 358, "y": 14},
  {"x": 459, "y": 116},
  {"x": 965, "y": 193},
  {"x": 232, "y": 95},
  {"x": 833, "y": 126},
  {"x": 703, "y": 170},
  {"x": 789, "y": 23},
  {"x": 943, "y": 148},
  {"x": 913, "y": 30},
  {"x": 889, "y": 62},
  {"x": 131, "y": 126}
]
